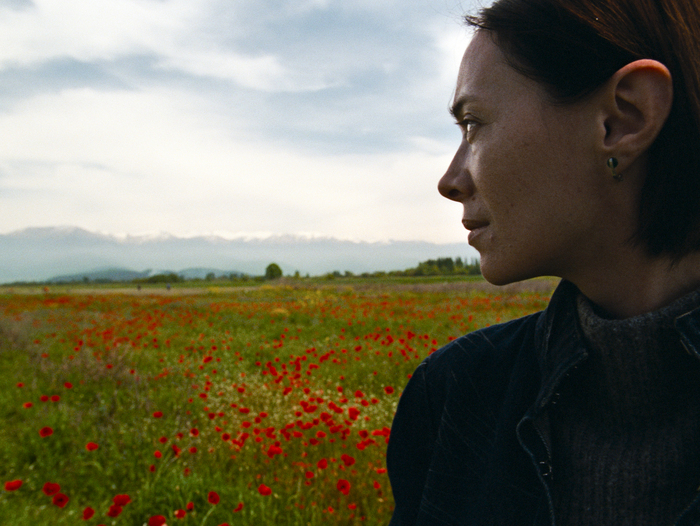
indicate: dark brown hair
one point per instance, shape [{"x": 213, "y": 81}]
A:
[{"x": 572, "y": 47}]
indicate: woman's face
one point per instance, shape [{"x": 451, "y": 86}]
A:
[{"x": 527, "y": 171}]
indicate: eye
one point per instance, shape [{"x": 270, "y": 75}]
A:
[{"x": 468, "y": 127}]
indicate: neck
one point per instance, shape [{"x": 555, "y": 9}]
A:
[{"x": 635, "y": 284}]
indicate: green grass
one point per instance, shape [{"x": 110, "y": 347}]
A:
[{"x": 293, "y": 356}]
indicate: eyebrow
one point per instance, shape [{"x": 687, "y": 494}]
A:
[{"x": 457, "y": 108}]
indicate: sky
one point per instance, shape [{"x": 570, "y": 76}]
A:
[{"x": 239, "y": 118}]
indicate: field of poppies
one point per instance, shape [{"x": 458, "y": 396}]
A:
[{"x": 263, "y": 405}]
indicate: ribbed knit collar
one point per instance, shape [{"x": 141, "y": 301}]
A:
[{"x": 637, "y": 365}]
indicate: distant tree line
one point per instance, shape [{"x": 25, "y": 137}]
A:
[{"x": 430, "y": 267}]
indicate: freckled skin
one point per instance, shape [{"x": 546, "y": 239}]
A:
[{"x": 527, "y": 171}]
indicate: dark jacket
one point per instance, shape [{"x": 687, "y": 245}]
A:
[{"x": 469, "y": 442}]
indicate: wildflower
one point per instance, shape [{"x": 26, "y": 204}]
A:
[
  {"x": 114, "y": 510},
  {"x": 388, "y": 389},
  {"x": 69, "y": 385},
  {"x": 13, "y": 485},
  {"x": 213, "y": 498},
  {"x": 122, "y": 500},
  {"x": 91, "y": 446},
  {"x": 55, "y": 398},
  {"x": 194, "y": 432},
  {"x": 156, "y": 520},
  {"x": 60, "y": 500},
  {"x": 50, "y": 488},
  {"x": 264, "y": 490},
  {"x": 347, "y": 459},
  {"x": 238, "y": 508},
  {"x": 343, "y": 486},
  {"x": 158, "y": 414},
  {"x": 45, "y": 432},
  {"x": 88, "y": 513},
  {"x": 180, "y": 514},
  {"x": 27, "y": 405},
  {"x": 322, "y": 464},
  {"x": 190, "y": 506}
]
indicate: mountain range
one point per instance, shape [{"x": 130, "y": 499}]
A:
[{"x": 43, "y": 253}]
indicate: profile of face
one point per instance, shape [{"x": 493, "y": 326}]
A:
[{"x": 527, "y": 171}]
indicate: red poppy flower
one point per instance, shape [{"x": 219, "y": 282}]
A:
[
  {"x": 180, "y": 514},
  {"x": 55, "y": 398},
  {"x": 88, "y": 513},
  {"x": 20, "y": 384},
  {"x": 158, "y": 454},
  {"x": 51, "y": 488},
  {"x": 343, "y": 486},
  {"x": 347, "y": 459},
  {"x": 45, "y": 431},
  {"x": 388, "y": 389},
  {"x": 353, "y": 413},
  {"x": 122, "y": 500},
  {"x": 114, "y": 511},
  {"x": 190, "y": 506},
  {"x": 213, "y": 497},
  {"x": 91, "y": 446},
  {"x": 27, "y": 405},
  {"x": 238, "y": 508},
  {"x": 264, "y": 490},
  {"x": 44, "y": 398},
  {"x": 156, "y": 520},
  {"x": 69, "y": 385},
  {"x": 60, "y": 500},
  {"x": 322, "y": 464},
  {"x": 309, "y": 474},
  {"x": 158, "y": 414},
  {"x": 194, "y": 432},
  {"x": 193, "y": 450},
  {"x": 13, "y": 485}
]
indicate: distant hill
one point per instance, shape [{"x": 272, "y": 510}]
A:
[
  {"x": 123, "y": 274},
  {"x": 39, "y": 254}
]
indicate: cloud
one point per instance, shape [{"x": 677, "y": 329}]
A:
[{"x": 200, "y": 116}]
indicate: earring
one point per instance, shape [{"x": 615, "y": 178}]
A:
[{"x": 612, "y": 164}]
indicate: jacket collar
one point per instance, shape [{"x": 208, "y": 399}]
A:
[{"x": 560, "y": 345}]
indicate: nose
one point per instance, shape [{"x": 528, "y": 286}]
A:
[{"x": 457, "y": 184}]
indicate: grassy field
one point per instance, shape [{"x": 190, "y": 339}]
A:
[{"x": 218, "y": 405}]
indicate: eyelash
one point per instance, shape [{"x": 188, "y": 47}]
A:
[{"x": 467, "y": 126}]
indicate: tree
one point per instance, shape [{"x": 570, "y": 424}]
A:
[{"x": 273, "y": 271}]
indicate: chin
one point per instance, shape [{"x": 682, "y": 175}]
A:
[{"x": 503, "y": 274}]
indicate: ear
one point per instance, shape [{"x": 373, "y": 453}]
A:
[{"x": 638, "y": 100}]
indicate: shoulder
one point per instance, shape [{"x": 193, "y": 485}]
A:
[{"x": 483, "y": 354}]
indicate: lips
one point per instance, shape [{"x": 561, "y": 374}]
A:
[{"x": 474, "y": 224}]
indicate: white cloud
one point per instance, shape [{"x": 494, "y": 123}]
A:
[{"x": 183, "y": 149}]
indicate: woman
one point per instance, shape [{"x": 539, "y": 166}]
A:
[{"x": 580, "y": 159}]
